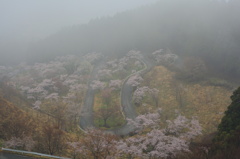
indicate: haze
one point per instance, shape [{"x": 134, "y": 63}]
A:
[
  {"x": 129, "y": 79},
  {"x": 26, "y": 20}
]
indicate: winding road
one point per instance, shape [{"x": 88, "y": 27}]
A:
[{"x": 86, "y": 118}]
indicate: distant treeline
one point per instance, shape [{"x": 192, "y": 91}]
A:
[{"x": 207, "y": 29}]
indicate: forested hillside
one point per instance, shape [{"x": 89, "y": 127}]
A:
[
  {"x": 153, "y": 82},
  {"x": 202, "y": 28},
  {"x": 151, "y": 94}
]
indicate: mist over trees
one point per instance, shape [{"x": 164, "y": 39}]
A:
[
  {"x": 153, "y": 82},
  {"x": 202, "y": 28}
]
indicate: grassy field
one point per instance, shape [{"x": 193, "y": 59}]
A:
[
  {"x": 113, "y": 110},
  {"x": 205, "y": 101}
]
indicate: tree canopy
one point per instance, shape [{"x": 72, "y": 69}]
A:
[{"x": 231, "y": 120}]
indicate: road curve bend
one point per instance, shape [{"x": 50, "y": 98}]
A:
[{"x": 128, "y": 109}]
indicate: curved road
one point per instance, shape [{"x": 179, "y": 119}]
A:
[{"x": 86, "y": 118}]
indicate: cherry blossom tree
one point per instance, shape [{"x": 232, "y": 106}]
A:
[
  {"x": 25, "y": 143},
  {"x": 156, "y": 142},
  {"x": 97, "y": 144},
  {"x": 134, "y": 54},
  {"x": 41, "y": 90},
  {"x": 135, "y": 80},
  {"x": 37, "y": 104},
  {"x": 49, "y": 70},
  {"x": 84, "y": 68},
  {"x": 93, "y": 57},
  {"x": 14, "y": 142},
  {"x": 141, "y": 92},
  {"x": 113, "y": 64},
  {"x": 183, "y": 128},
  {"x": 138, "y": 64},
  {"x": 104, "y": 74},
  {"x": 53, "y": 96},
  {"x": 98, "y": 85},
  {"x": 122, "y": 63},
  {"x": 115, "y": 84},
  {"x": 164, "y": 56}
]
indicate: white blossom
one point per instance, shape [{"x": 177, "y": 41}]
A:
[
  {"x": 135, "y": 80},
  {"x": 98, "y": 85}
]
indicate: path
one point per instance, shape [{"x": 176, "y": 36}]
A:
[{"x": 86, "y": 119}]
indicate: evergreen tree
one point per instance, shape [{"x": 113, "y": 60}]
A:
[
  {"x": 231, "y": 120},
  {"x": 226, "y": 143}
]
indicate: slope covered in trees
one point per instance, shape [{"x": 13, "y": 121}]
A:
[
  {"x": 14, "y": 121},
  {"x": 201, "y": 99},
  {"x": 167, "y": 105},
  {"x": 203, "y": 28},
  {"x": 204, "y": 37},
  {"x": 231, "y": 120},
  {"x": 226, "y": 142}
]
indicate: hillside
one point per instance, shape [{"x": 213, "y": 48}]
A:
[
  {"x": 207, "y": 29},
  {"x": 203, "y": 100},
  {"x": 157, "y": 79},
  {"x": 14, "y": 121},
  {"x": 174, "y": 96}
]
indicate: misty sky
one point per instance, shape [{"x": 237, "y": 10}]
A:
[{"x": 34, "y": 19}]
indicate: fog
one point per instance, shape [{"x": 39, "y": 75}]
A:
[
  {"x": 39, "y": 31},
  {"x": 26, "y": 21},
  {"x": 136, "y": 78}
]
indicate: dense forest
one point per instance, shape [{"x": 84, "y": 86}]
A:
[{"x": 202, "y": 28}]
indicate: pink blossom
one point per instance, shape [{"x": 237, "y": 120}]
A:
[
  {"x": 115, "y": 84},
  {"x": 135, "y": 80},
  {"x": 25, "y": 142},
  {"x": 98, "y": 85},
  {"x": 93, "y": 57},
  {"x": 53, "y": 96},
  {"x": 37, "y": 105},
  {"x": 112, "y": 64},
  {"x": 138, "y": 64},
  {"x": 146, "y": 120},
  {"x": 134, "y": 54},
  {"x": 139, "y": 94},
  {"x": 156, "y": 142},
  {"x": 104, "y": 73},
  {"x": 164, "y": 57},
  {"x": 77, "y": 87}
]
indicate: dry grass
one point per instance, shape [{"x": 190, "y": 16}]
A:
[{"x": 206, "y": 102}]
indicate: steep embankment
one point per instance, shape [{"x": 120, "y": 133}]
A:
[{"x": 14, "y": 121}]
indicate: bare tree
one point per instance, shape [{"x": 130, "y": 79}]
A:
[
  {"x": 53, "y": 139},
  {"x": 97, "y": 144},
  {"x": 179, "y": 94},
  {"x": 104, "y": 113}
]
